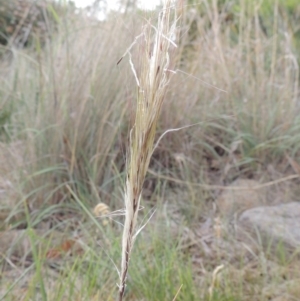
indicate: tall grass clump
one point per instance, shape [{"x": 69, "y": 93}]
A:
[
  {"x": 69, "y": 106},
  {"x": 152, "y": 74},
  {"x": 256, "y": 121}
]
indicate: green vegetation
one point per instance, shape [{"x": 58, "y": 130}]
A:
[{"x": 66, "y": 110}]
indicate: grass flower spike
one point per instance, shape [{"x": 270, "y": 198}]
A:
[{"x": 152, "y": 80}]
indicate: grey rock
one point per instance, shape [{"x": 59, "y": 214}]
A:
[{"x": 280, "y": 223}]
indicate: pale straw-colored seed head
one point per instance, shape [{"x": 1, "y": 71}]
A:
[{"x": 152, "y": 80}]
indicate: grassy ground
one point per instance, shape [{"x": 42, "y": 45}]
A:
[{"x": 66, "y": 111}]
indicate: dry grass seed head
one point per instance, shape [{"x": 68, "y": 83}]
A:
[{"x": 152, "y": 85}]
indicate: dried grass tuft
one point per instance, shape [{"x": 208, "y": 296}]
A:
[{"x": 152, "y": 80}]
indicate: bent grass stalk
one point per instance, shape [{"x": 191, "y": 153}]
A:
[{"x": 152, "y": 80}]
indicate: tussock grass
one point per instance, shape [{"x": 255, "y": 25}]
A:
[
  {"x": 70, "y": 95},
  {"x": 68, "y": 112}
]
